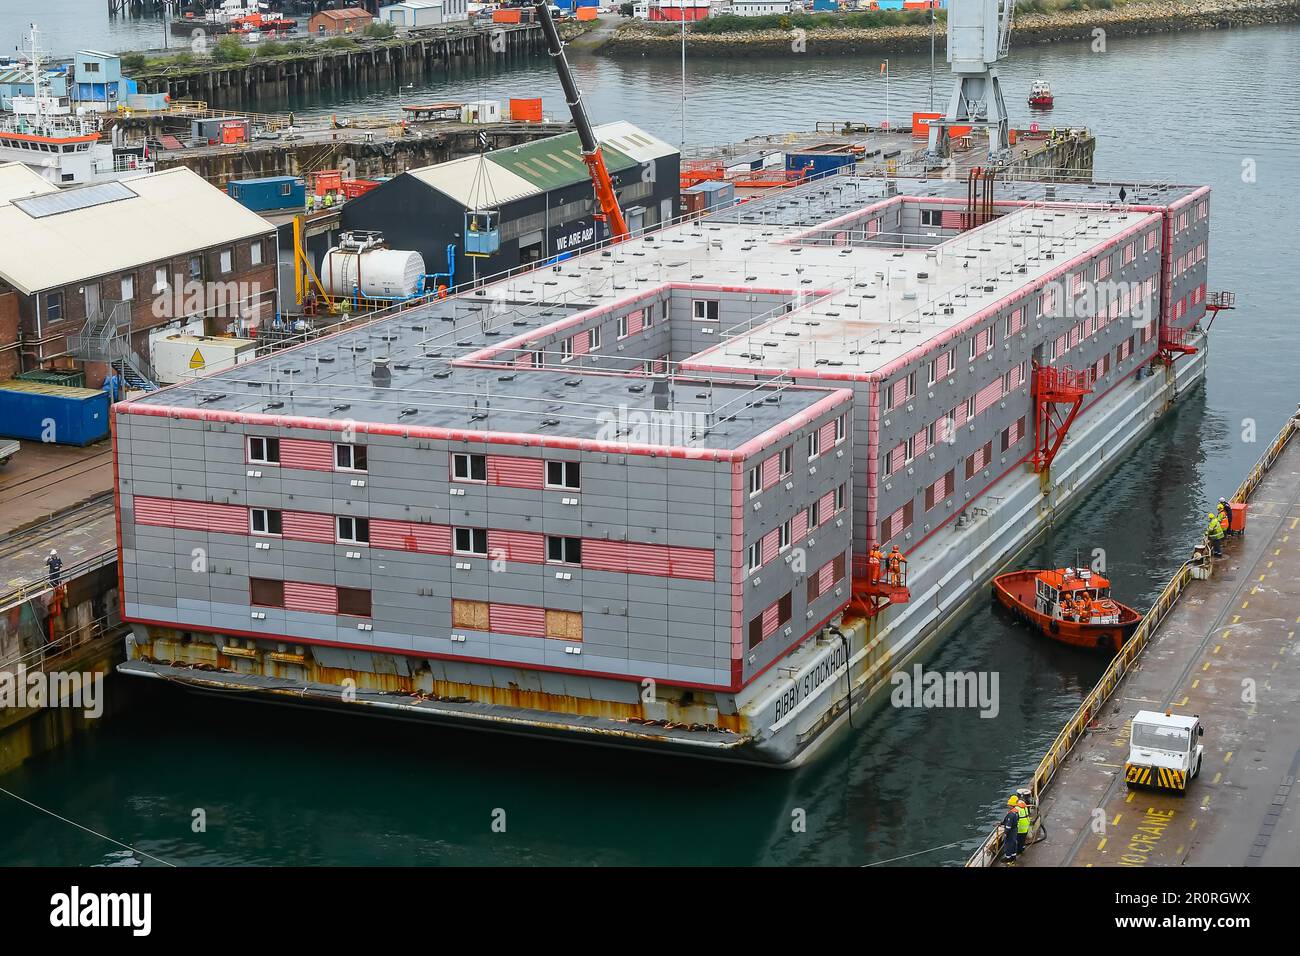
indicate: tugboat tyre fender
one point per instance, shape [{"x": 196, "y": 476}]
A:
[{"x": 1055, "y": 626}]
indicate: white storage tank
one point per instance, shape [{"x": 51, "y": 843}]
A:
[{"x": 361, "y": 263}]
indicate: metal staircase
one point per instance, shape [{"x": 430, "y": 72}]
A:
[{"x": 106, "y": 338}]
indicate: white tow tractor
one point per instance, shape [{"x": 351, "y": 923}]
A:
[{"x": 1164, "y": 751}]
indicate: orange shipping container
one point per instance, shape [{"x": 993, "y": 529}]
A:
[
  {"x": 921, "y": 126},
  {"x": 586, "y": 13},
  {"x": 526, "y": 110},
  {"x": 505, "y": 16}
]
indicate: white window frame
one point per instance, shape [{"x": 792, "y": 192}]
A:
[
  {"x": 700, "y": 310},
  {"x": 593, "y": 339},
  {"x": 566, "y": 349},
  {"x": 755, "y": 556},
  {"x": 786, "y": 462},
  {"x": 255, "y": 252},
  {"x": 472, "y": 532},
  {"x": 226, "y": 261},
  {"x": 352, "y": 538},
  {"x": 128, "y": 288},
  {"x": 783, "y": 537},
  {"x": 621, "y": 333},
  {"x": 265, "y": 514},
  {"x": 814, "y": 445},
  {"x": 841, "y": 429},
  {"x": 565, "y": 540},
  {"x": 839, "y": 499},
  {"x": 755, "y": 480},
  {"x": 351, "y": 448},
  {"x": 468, "y": 458},
  {"x": 564, "y": 483},
  {"x": 265, "y": 442},
  {"x": 815, "y": 515}
]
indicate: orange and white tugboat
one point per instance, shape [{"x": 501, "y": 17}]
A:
[
  {"x": 1070, "y": 605},
  {"x": 1040, "y": 96}
]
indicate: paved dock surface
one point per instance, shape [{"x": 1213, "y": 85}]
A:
[
  {"x": 1228, "y": 652},
  {"x": 54, "y": 496}
]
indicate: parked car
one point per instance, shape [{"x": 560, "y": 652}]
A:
[{"x": 8, "y": 448}]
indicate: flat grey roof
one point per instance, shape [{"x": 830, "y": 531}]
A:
[
  {"x": 331, "y": 378},
  {"x": 847, "y": 291}
]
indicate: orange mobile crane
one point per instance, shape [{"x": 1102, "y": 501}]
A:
[{"x": 609, "y": 213}]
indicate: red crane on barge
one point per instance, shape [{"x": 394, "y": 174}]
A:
[{"x": 610, "y": 213}]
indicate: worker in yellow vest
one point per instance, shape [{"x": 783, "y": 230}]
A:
[
  {"x": 1022, "y": 825},
  {"x": 1214, "y": 531}
]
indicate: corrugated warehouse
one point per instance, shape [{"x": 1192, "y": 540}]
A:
[{"x": 539, "y": 195}]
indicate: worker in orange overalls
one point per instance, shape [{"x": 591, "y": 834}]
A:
[
  {"x": 1084, "y": 608},
  {"x": 896, "y": 562},
  {"x": 875, "y": 558}
]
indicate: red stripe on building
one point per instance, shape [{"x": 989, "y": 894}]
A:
[
  {"x": 515, "y": 472},
  {"x": 601, "y": 555},
  {"x": 523, "y": 546},
  {"x": 304, "y": 526},
  {"x": 317, "y": 598},
  {"x": 694, "y": 563},
  {"x": 191, "y": 515},
  {"x": 303, "y": 453},
  {"x": 410, "y": 536},
  {"x": 517, "y": 619}
]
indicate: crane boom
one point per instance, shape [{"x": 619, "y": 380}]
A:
[{"x": 591, "y": 154}]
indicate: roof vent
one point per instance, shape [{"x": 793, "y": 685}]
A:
[{"x": 380, "y": 373}]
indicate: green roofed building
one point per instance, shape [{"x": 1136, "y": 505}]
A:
[{"x": 527, "y": 203}]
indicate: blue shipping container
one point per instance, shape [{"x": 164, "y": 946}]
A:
[
  {"x": 37, "y": 411},
  {"x": 718, "y": 193},
  {"x": 272, "y": 192},
  {"x": 821, "y": 163}
]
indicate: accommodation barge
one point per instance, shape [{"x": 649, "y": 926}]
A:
[{"x": 629, "y": 498}]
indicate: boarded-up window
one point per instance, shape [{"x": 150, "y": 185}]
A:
[
  {"x": 471, "y": 615},
  {"x": 564, "y": 625},
  {"x": 756, "y": 632},
  {"x": 354, "y": 601},
  {"x": 266, "y": 593}
]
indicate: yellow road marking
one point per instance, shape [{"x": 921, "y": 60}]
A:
[
  {"x": 1217, "y": 648},
  {"x": 1205, "y": 801},
  {"x": 1227, "y": 758},
  {"x": 1192, "y": 825},
  {"x": 1217, "y": 777},
  {"x": 1102, "y": 844},
  {"x": 1235, "y": 619},
  {"x": 1205, "y": 666},
  {"x": 1115, "y": 822},
  {"x": 1294, "y": 522},
  {"x": 1129, "y": 798},
  {"x": 1261, "y": 577},
  {"x": 1195, "y": 683},
  {"x": 1183, "y": 702}
]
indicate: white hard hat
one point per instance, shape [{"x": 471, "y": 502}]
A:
[{"x": 53, "y": 551}]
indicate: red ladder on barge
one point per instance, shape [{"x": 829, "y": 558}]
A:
[{"x": 1058, "y": 395}]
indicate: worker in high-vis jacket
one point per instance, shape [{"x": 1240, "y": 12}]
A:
[
  {"x": 1022, "y": 825},
  {"x": 1010, "y": 838},
  {"x": 875, "y": 560},
  {"x": 1214, "y": 531},
  {"x": 896, "y": 562}
]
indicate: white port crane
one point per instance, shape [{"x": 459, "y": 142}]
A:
[{"x": 979, "y": 35}]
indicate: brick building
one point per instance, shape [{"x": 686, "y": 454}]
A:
[{"x": 104, "y": 268}]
